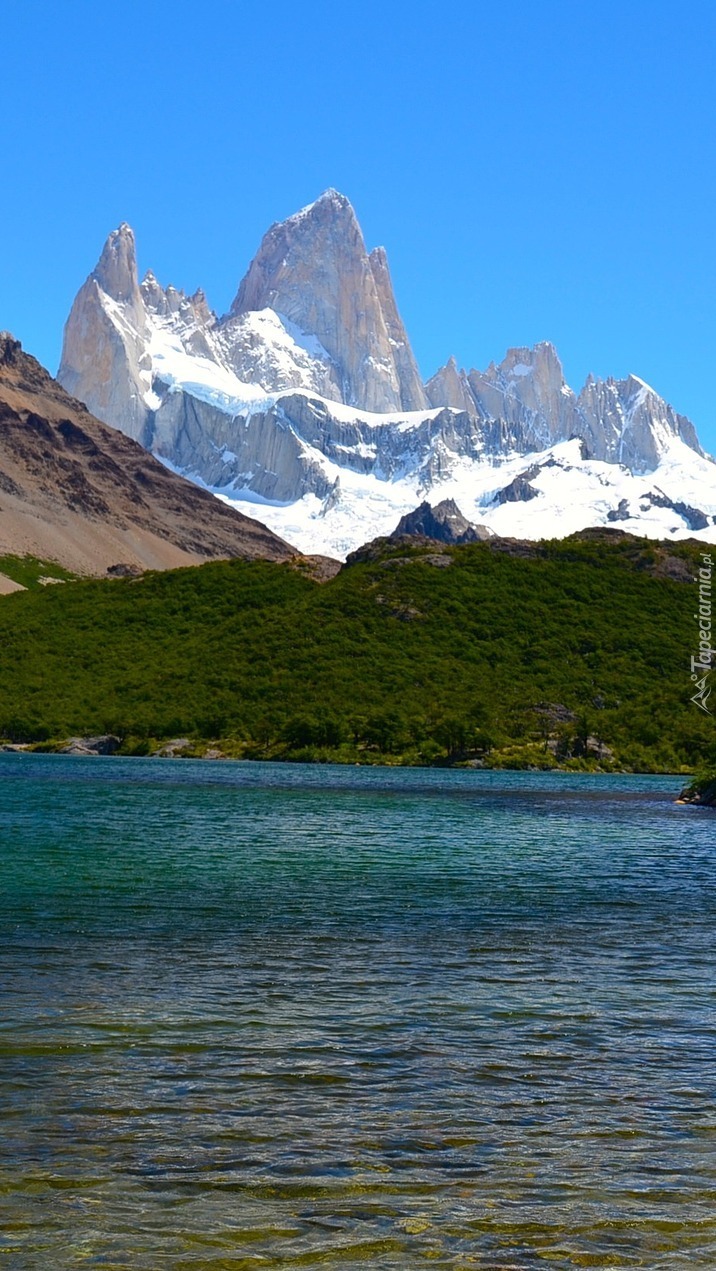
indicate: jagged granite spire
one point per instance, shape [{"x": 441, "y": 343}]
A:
[
  {"x": 620, "y": 421},
  {"x": 449, "y": 387},
  {"x": 529, "y": 392},
  {"x": 526, "y": 392},
  {"x": 412, "y": 392},
  {"x": 105, "y": 363},
  {"x": 314, "y": 270},
  {"x": 625, "y": 421},
  {"x": 116, "y": 269}
]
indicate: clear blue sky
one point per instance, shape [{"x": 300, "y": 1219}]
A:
[{"x": 535, "y": 170}]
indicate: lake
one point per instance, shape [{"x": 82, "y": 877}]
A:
[{"x": 268, "y": 1016}]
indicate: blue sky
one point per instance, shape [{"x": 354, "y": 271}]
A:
[{"x": 535, "y": 171}]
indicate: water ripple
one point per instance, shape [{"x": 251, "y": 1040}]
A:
[{"x": 264, "y": 1016}]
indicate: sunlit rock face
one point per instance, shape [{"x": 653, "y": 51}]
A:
[
  {"x": 314, "y": 270},
  {"x": 621, "y": 421},
  {"x": 105, "y": 360}
]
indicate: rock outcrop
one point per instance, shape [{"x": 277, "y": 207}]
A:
[
  {"x": 106, "y": 744},
  {"x": 701, "y": 792},
  {"x": 449, "y": 386},
  {"x": 444, "y": 522},
  {"x": 518, "y": 491}
]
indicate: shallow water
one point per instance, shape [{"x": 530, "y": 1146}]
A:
[{"x": 263, "y": 1016}]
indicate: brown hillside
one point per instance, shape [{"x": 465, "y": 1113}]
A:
[{"x": 78, "y": 492}]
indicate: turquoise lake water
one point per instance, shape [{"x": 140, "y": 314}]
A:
[{"x": 263, "y": 1016}]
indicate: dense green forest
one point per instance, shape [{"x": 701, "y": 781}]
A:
[{"x": 573, "y": 652}]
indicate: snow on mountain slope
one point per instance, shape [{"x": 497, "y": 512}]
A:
[
  {"x": 304, "y": 402},
  {"x": 622, "y": 421},
  {"x": 571, "y": 494}
]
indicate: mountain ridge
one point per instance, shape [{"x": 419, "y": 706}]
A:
[{"x": 305, "y": 399}]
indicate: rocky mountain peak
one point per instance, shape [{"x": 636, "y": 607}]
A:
[
  {"x": 449, "y": 387},
  {"x": 152, "y": 292},
  {"x": 528, "y": 392},
  {"x": 104, "y": 361},
  {"x": 412, "y": 393},
  {"x": 332, "y": 195},
  {"x": 625, "y": 421},
  {"x": 318, "y": 237},
  {"x": 314, "y": 270},
  {"x": 633, "y": 385},
  {"x": 331, "y": 202},
  {"x": 116, "y": 269},
  {"x": 542, "y": 354},
  {"x": 538, "y": 369}
]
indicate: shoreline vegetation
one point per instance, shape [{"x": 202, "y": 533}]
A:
[
  {"x": 570, "y": 654},
  {"x": 527, "y": 758},
  {"x": 701, "y": 791}
]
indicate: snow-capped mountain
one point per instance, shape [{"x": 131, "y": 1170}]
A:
[{"x": 304, "y": 405}]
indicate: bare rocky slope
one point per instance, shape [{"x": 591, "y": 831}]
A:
[{"x": 75, "y": 491}]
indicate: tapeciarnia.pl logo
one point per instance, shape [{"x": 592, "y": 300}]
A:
[{"x": 702, "y": 664}]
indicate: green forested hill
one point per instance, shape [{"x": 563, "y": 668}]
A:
[{"x": 573, "y": 651}]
